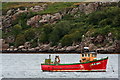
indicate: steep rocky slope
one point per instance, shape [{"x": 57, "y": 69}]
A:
[{"x": 62, "y": 26}]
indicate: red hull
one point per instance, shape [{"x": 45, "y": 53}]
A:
[{"x": 98, "y": 65}]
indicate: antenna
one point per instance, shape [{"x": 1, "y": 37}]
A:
[
  {"x": 81, "y": 47},
  {"x": 49, "y": 56}
]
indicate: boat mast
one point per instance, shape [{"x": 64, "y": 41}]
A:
[{"x": 49, "y": 56}]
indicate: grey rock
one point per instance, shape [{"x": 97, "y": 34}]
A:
[
  {"x": 21, "y": 47},
  {"x": 5, "y": 46},
  {"x": 27, "y": 45},
  {"x": 34, "y": 21},
  {"x": 48, "y": 18},
  {"x": 9, "y": 12},
  {"x": 38, "y": 8},
  {"x": 69, "y": 48}
]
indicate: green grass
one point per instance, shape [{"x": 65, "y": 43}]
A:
[
  {"x": 56, "y": 7},
  {"x": 8, "y": 5},
  {"x": 52, "y": 7}
]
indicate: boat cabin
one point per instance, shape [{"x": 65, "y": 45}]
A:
[
  {"x": 85, "y": 57},
  {"x": 48, "y": 61}
]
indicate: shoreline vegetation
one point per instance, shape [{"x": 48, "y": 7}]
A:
[{"x": 60, "y": 27}]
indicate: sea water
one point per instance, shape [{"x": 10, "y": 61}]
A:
[{"x": 28, "y": 66}]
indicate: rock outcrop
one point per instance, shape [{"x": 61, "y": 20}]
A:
[
  {"x": 38, "y": 20},
  {"x": 117, "y": 46},
  {"x": 38, "y": 8},
  {"x": 12, "y": 14},
  {"x": 43, "y": 19},
  {"x": 50, "y": 18},
  {"x": 34, "y": 21},
  {"x": 10, "y": 17},
  {"x": 4, "y": 45}
]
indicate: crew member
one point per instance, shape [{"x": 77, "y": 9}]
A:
[{"x": 57, "y": 60}]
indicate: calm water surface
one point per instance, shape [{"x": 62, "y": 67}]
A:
[{"x": 28, "y": 66}]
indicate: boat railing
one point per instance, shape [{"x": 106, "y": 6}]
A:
[{"x": 100, "y": 58}]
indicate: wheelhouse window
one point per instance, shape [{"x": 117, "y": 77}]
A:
[
  {"x": 94, "y": 55},
  {"x": 85, "y": 55},
  {"x": 88, "y": 55},
  {"x": 82, "y": 55}
]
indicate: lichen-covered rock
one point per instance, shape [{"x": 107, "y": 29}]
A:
[
  {"x": 38, "y": 8},
  {"x": 91, "y": 7},
  {"x": 14, "y": 16},
  {"x": 10, "y": 39},
  {"x": 37, "y": 48},
  {"x": 117, "y": 46},
  {"x": 48, "y": 18},
  {"x": 27, "y": 45},
  {"x": 9, "y": 12},
  {"x": 109, "y": 37},
  {"x": 56, "y": 16},
  {"x": 34, "y": 21},
  {"x": 6, "y": 21},
  {"x": 21, "y": 47},
  {"x": 5, "y": 46},
  {"x": 45, "y": 18},
  {"x": 92, "y": 47},
  {"x": 69, "y": 48},
  {"x": 31, "y": 49},
  {"x": 99, "y": 39},
  {"x": 74, "y": 10},
  {"x": 45, "y": 47},
  {"x": 10, "y": 17}
]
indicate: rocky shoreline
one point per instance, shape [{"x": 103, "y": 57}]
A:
[
  {"x": 46, "y": 48},
  {"x": 58, "y": 52}
]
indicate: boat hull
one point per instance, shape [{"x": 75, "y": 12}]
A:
[{"x": 98, "y": 65}]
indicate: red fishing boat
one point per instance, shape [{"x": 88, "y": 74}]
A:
[{"x": 88, "y": 62}]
